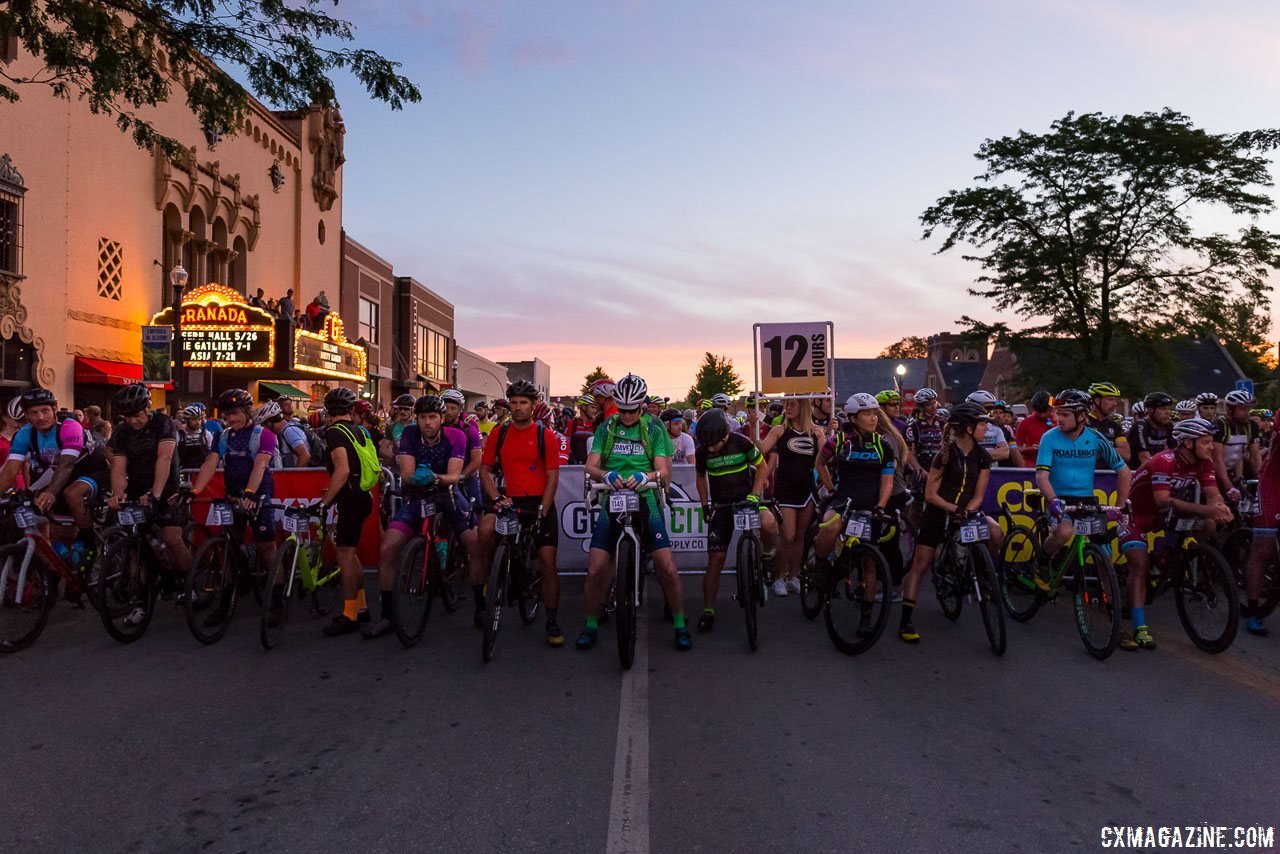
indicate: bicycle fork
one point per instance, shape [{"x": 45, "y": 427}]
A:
[{"x": 7, "y": 571}]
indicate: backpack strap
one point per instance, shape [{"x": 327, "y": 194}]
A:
[{"x": 502, "y": 437}]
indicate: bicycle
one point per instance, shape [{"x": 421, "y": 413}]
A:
[
  {"x": 1237, "y": 543},
  {"x": 750, "y": 572},
  {"x": 29, "y": 573},
  {"x": 628, "y": 557},
  {"x": 299, "y": 571},
  {"x": 220, "y": 565},
  {"x": 1201, "y": 582},
  {"x": 1084, "y": 562},
  {"x": 963, "y": 569},
  {"x": 420, "y": 575},
  {"x": 513, "y": 577},
  {"x": 854, "y": 614},
  {"x": 135, "y": 568}
]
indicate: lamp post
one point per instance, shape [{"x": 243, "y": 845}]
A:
[
  {"x": 899, "y": 373},
  {"x": 455, "y": 373},
  {"x": 178, "y": 281}
]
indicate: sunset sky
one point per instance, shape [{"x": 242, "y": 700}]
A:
[{"x": 633, "y": 183}]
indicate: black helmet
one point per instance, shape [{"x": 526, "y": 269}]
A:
[
  {"x": 967, "y": 413},
  {"x": 234, "y": 398},
  {"x": 1156, "y": 398},
  {"x": 1073, "y": 399},
  {"x": 38, "y": 397},
  {"x": 428, "y": 403},
  {"x": 133, "y": 399},
  {"x": 669, "y": 415},
  {"x": 1040, "y": 401},
  {"x": 340, "y": 401},
  {"x": 523, "y": 388},
  {"x": 404, "y": 401},
  {"x": 713, "y": 426}
]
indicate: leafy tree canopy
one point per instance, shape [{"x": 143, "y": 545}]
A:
[
  {"x": 911, "y": 347},
  {"x": 596, "y": 374},
  {"x": 715, "y": 376}
]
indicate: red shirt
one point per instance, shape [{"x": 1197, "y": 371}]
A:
[
  {"x": 525, "y": 475},
  {"x": 1030, "y": 431},
  {"x": 1164, "y": 472}
]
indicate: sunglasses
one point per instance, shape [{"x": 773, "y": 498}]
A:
[{"x": 631, "y": 411}]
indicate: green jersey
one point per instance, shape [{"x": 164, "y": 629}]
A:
[{"x": 630, "y": 452}]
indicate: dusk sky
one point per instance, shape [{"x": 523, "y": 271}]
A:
[{"x": 633, "y": 183}]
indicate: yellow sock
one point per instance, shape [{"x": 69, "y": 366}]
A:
[
  {"x": 350, "y": 609},
  {"x": 360, "y": 603}
]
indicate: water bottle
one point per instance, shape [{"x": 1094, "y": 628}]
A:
[{"x": 442, "y": 552}]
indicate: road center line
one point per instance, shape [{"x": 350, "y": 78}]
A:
[{"x": 629, "y": 808}]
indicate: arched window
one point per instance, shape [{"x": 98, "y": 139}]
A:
[
  {"x": 218, "y": 271},
  {"x": 239, "y": 274},
  {"x": 193, "y": 255}
]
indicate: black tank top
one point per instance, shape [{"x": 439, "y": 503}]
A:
[{"x": 797, "y": 453}]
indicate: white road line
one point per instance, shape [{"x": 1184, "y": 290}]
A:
[{"x": 629, "y": 809}]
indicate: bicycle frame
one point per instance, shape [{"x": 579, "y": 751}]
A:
[{"x": 38, "y": 543}]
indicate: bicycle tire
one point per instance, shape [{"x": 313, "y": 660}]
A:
[
  {"x": 453, "y": 583},
  {"x": 1205, "y": 585},
  {"x": 626, "y": 611},
  {"x": 1236, "y": 549},
  {"x": 846, "y": 600},
  {"x": 945, "y": 586},
  {"x": 22, "y": 624},
  {"x": 495, "y": 598},
  {"x": 988, "y": 586},
  {"x": 283, "y": 575},
  {"x": 748, "y": 570},
  {"x": 211, "y": 583},
  {"x": 120, "y": 592},
  {"x": 529, "y": 591},
  {"x": 414, "y": 591},
  {"x": 1096, "y": 601},
  {"x": 813, "y": 588},
  {"x": 1019, "y": 560},
  {"x": 327, "y": 593}
]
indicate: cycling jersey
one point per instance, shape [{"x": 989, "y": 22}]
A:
[
  {"x": 290, "y": 438},
  {"x": 193, "y": 447},
  {"x": 628, "y": 455},
  {"x": 1235, "y": 440},
  {"x": 524, "y": 474},
  {"x": 960, "y": 474},
  {"x": 683, "y": 447},
  {"x": 925, "y": 439},
  {"x": 451, "y": 444},
  {"x": 1146, "y": 435},
  {"x": 140, "y": 448},
  {"x": 64, "y": 439},
  {"x": 1031, "y": 429},
  {"x": 485, "y": 427},
  {"x": 1071, "y": 462},
  {"x": 1109, "y": 428},
  {"x": 860, "y": 461},
  {"x": 1269, "y": 487},
  {"x": 395, "y": 430},
  {"x": 1166, "y": 472},
  {"x": 729, "y": 470},
  {"x": 239, "y": 457}
]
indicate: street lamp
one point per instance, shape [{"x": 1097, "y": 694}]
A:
[
  {"x": 455, "y": 373},
  {"x": 901, "y": 372},
  {"x": 178, "y": 281}
]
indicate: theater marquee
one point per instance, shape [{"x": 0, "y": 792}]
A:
[
  {"x": 221, "y": 330},
  {"x": 329, "y": 353}
]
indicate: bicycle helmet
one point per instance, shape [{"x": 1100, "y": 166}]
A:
[
  {"x": 404, "y": 401},
  {"x": 690, "y": 414},
  {"x": 15, "y": 409},
  {"x": 586, "y": 400},
  {"x": 521, "y": 388},
  {"x": 943, "y": 413},
  {"x": 669, "y": 415},
  {"x": 704, "y": 404},
  {"x": 713, "y": 427},
  {"x": 721, "y": 400},
  {"x": 1103, "y": 390},
  {"x": 1073, "y": 399},
  {"x": 1041, "y": 401},
  {"x": 1263, "y": 413},
  {"x": 1207, "y": 399},
  {"x": 925, "y": 395},
  {"x": 133, "y": 399},
  {"x": 1139, "y": 410},
  {"x": 38, "y": 397},
  {"x": 200, "y": 406},
  {"x": 1155, "y": 399},
  {"x": 1185, "y": 406},
  {"x": 428, "y": 403},
  {"x": 1192, "y": 428},
  {"x": 967, "y": 413},
  {"x": 981, "y": 397},
  {"x": 541, "y": 412},
  {"x": 268, "y": 411},
  {"x": 362, "y": 407},
  {"x": 340, "y": 401},
  {"x": 999, "y": 405},
  {"x": 1239, "y": 397},
  {"x": 631, "y": 392},
  {"x": 191, "y": 411},
  {"x": 234, "y": 398},
  {"x": 860, "y": 402},
  {"x": 316, "y": 419},
  {"x": 566, "y": 412},
  {"x": 603, "y": 387},
  {"x": 888, "y": 396},
  {"x": 501, "y": 403},
  {"x": 454, "y": 396},
  {"x": 1126, "y": 424}
]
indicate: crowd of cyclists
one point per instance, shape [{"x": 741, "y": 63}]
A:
[{"x": 804, "y": 467}]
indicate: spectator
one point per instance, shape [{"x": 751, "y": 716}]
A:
[
  {"x": 318, "y": 310},
  {"x": 288, "y": 308},
  {"x": 11, "y": 420},
  {"x": 258, "y": 300},
  {"x": 1035, "y": 425},
  {"x": 94, "y": 421},
  {"x": 300, "y": 319},
  {"x": 272, "y": 307}
]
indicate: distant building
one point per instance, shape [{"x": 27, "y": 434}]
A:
[
  {"x": 479, "y": 378},
  {"x": 535, "y": 371},
  {"x": 957, "y": 364},
  {"x": 875, "y": 375}
]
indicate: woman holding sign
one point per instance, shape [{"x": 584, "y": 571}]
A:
[{"x": 794, "y": 446}]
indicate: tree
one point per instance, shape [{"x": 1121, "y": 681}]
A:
[
  {"x": 911, "y": 347},
  {"x": 715, "y": 376},
  {"x": 121, "y": 56},
  {"x": 1087, "y": 232},
  {"x": 596, "y": 374}
]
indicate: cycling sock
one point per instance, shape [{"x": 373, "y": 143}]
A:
[
  {"x": 593, "y": 624},
  {"x": 477, "y": 590},
  {"x": 677, "y": 620},
  {"x": 908, "y": 605},
  {"x": 551, "y": 615},
  {"x": 711, "y": 611},
  {"x": 361, "y": 603},
  {"x": 349, "y": 609},
  {"x": 1139, "y": 616},
  {"x": 388, "y": 603}
]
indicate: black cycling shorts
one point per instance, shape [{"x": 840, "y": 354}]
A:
[
  {"x": 548, "y": 533},
  {"x": 353, "y": 507}
]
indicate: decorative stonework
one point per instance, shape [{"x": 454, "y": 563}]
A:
[
  {"x": 327, "y": 143},
  {"x": 103, "y": 320},
  {"x": 13, "y": 323},
  {"x": 104, "y": 354},
  {"x": 185, "y": 181},
  {"x": 9, "y": 173}
]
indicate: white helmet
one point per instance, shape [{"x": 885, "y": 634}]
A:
[
  {"x": 982, "y": 398},
  {"x": 925, "y": 395},
  {"x": 1139, "y": 409},
  {"x": 944, "y": 413},
  {"x": 721, "y": 399},
  {"x": 1239, "y": 398},
  {"x": 192, "y": 411},
  {"x": 1184, "y": 406},
  {"x": 631, "y": 392},
  {"x": 1192, "y": 428},
  {"x": 860, "y": 402},
  {"x": 267, "y": 412},
  {"x": 15, "y": 409},
  {"x": 452, "y": 395},
  {"x": 1208, "y": 398}
]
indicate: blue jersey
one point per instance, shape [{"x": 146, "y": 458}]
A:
[{"x": 1071, "y": 463}]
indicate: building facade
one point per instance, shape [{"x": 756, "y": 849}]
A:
[
  {"x": 535, "y": 371},
  {"x": 368, "y": 300},
  {"x": 426, "y": 352},
  {"x": 479, "y": 378}
]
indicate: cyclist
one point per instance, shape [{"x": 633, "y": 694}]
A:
[
  {"x": 1035, "y": 425},
  {"x": 213, "y": 425},
  {"x": 66, "y": 468},
  {"x": 994, "y": 440},
  {"x": 628, "y": 451},
  {"x": 401, "y": 417},
  {"x": 924, "y": 430},
  {"x": 957, "y": 482},
  {"x": 1173, "y": 479},
  {"x": 1065, "y": 465},
  {"x": 1152, "y": 428},
  {"x": 194, "y": 440},
  {"x": 144, "y": 468},
  {"x": 530, "y": 463},
  {"x": 245, "y": 450},
  {"x": 483, "y": 424},
  {"x": 1265, "y": 523},
  {"x": 1237, "y": 450},
  {"x": 291, "y": 443},
  {"x": 891, "y": 403},
  {"x": 654, "y": 406},
  {"x": 580, "y": 428},
  {"x": 795, "y": 444},
  {"x": 455, "y": 407},
  {"x": 683, "y": 448},
  {"x": 1105, "y": 398},
  {"x": 730, "y": 469},
  {"x": 603, "y": 390},
  {"x": 501, "y": 412},
  {"x": 1207, "y": 406},
  {"x": 1184, "y": 409}
]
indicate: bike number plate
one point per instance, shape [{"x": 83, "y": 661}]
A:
[
  {"x": 746, "y": 520},
  {"x": 426, "y": 508},
  {"x": 858, "y": 527},
  {"x": 1188, "y": 523},
  {"x": 131, "y": 516},
  {"x": 25, "y": 517},
  {"x": 1246, "y": 507},
  {"x": 624, "y": 502},
  {"x": 296, "y": 524},
  {"x": 220, "y": 513},
  {"x": 508, "y": 526},
  {"x": 1089, "y": 526},
  {"x": 974, "y": 533}
]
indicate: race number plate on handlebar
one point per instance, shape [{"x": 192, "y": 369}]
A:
[
  {"x": 508, "y": 526},
  {"x": 220, "y": 513},
  {"x": 1088, "y": 526},
  {"x": 131, "y": 516},
  {"x": 25, "y": 517},
  {"x": 426, "y": 508},
  {"x": 746, "y": 520},
  {"x": 859, "y": 527},
  {"x": 296, "y": 524},
  {"x": 1188, "y": 523},
  {"x": 624, "y": 502},
  {"x": 1246, "y": 506},
  {"x": 974, "y": 532}
]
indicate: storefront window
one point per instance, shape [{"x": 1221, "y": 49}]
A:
[
  {"x": 368, "y": 325},
  {"x": 12, "y": 190},
  {"x": 432, "y": 353},
  {"x": 16, "y": 361}
]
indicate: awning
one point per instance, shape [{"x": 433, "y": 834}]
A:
[
  {"x": 104, "y": 372},
  {"x": 284, "y": 390}
]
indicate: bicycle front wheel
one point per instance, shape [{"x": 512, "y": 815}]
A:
[
  {"x": 624, "y": 586},
  {"x": 748, "y": 574},
  {"x": 529, "y": 591},
  {"x": 1206, "y": 599},
  {"x": 1097, "y": 601},
  {"x": 283, "y": 590},
  {"x": 25, "y": 602},
  {"x": 327, "y": 593},
  {"x": 813, "y": 587},
  {"x": 209, "y": 595},
  {"x": 1020, "y": 561},
  {"x": 945, "y": 584},
  {"x": 857, "y": 612},
  {"x": 496, "y": 597},
  {"x": 987, "y": 586},
  {"x": 125, "y": 590},
  {"x": 413, "y": 591}
]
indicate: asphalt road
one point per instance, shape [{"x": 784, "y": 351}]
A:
[{"x": 353, "y": 745}]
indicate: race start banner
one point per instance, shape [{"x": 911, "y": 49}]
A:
[{"x": 792, "y": 358}]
